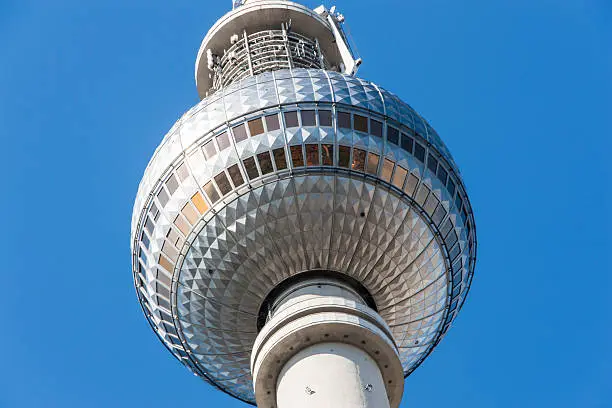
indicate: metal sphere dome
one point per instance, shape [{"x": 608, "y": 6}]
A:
[{"x": 288, "y": 172}]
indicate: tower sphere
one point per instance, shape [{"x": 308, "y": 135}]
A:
[{"x": 294, "y": 184}]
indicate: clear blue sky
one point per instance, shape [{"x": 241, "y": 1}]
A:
[{"x": 521, "y": 91}]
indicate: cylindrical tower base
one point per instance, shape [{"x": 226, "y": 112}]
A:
[
  {"x": 324, "y": 346},
  {"x": 331, "y": 375}
]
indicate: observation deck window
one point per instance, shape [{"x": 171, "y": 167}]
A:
[
  {"x": 312, "y": 155},
  {"x": 291, "y": 119},
  {"x": 359, "y": 157},
  {"x": 240, "y": 133},
  {"x": 407, "y": 143},
  {"x": 325, "y": 118},
  {"x": 344, "y": 156},
  {"x": 223, "y": 141},
  {"x": 375, "y": 128},
  {"x": 373, "y": 160},
  {"x": 272, "y": 122},
  {"x": 251, "y": 168},
  {"x": 344, "y": 120},
  {"x": 419, "y": 152},
  {"x": 235, "y": 175},
  {"x": 223, "y": 183},
  {"x": 280, "y": 158},
  {"x": 360, "y": 123},
  {"x": 256, "y": 127},
  {"x": 308, "y": 118},
  {"x": 392, "y": 135},
  {"x": 211, "y": 192},
  {"x": 327, "y": 153},
  {"x": 265, "y": 162},
  {"x": 209, "y": 149},
  {"x": 297, "y": 156}
]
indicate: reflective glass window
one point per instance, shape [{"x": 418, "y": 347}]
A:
[
  {"x": 393, "y": 135},
  {"x": 190, "y": 213},
  {"x": 211, "y": 192},
  {"x": 419, "y": 152},
  {"x": 297, "y": 157},
  {"x": 327, "y": 154},
  {"x": 375, "y": 128},
  {"x": 373, "y": 160},
  {"x": 172, "y": 184},
  {"x": 182, "y": 225},
  {"x": 451, "y": 187},
  {"x": 344, "y": 120},
  {"x": 251, "y": 168},
  {"x": 442, "y": 174},
  {"x": 223, "y": 141},
  {"x": 387, "y": 169},
  {"x": 432, "y": 164},
  {"x": 149, "y": 225},
  {"x": 308, "y": 118},
  {"x": 256, "y": 127},
  {"x": 199, "y": 203},
  {"x": 359, "y": 157},
  {"x": 360, "y": 123},
  {"x": 407, "y": 143},
  {"x": 458, "y": 202},
  {"x": 145, "y": 239},
  {"x": 182, "y": 172},
  {"x": 344, "y": 156},
  {"x": 223, "y": 183},
  {"x": 162, "y": 196},
  {"x": 325, "y": 118},
  {"x": 312, "y": 155},
  {"x": 165, "y": 263},
  {"x": 209, "y": 149},
  {"x": 279, "y": 158},
  {"x": 239, "y": 132},
  {"x": 265, "y": 162},
  {"x": 272, "y": 122},
  {"x": 235, "y": 175},
  {"x": 411, "y": 184},
  {"x": 399, "y": 176},
  {"x": 291, "y": 119}
]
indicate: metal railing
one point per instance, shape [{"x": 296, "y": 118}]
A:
[{"x": 263, "y": 51}]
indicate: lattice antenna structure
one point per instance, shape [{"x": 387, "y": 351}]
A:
[{"x": 301, "y": 237}]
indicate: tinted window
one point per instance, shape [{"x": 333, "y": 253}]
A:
[
  {"x": 256, "y": 127},
  {"x": 239, "y": 133},
  {"x": 358, "y": 160},
  {"x": 223, "y": 141},
  {"x": 279, "y": 158},
  {"x": 251, "y": 168},
  {"x": 297, "y": 157},
  {"x": 265, "y": 162},
  {"x": 442, "y": 174},
  {"x": 325, "y": 118},
  {"x": 419, "y": 152},
  {"x": 235, "y": 175},
  {"x": 312, "y": 155},
  {"x": 432, "y": 164},
  {"x": 172, "y": 184},
  {"x": 361, "y": 123},
  {"x": 309, "y": 118},
  {"x": 272, "y": 122},
  {"x": 344, "y": 156},
  {"x": 327, "y": 153},
  {"x": 344, "y": 120},
  {"x": 392, "y": 135},
  {"x": 407, "y": 142},
  {"x": 211, "y": 192},
  {"x": 223, "y": 183},
  {"x": 209, "y": 149},
  {"x": 291, "y": 119},
  {"x": 373, "y": 163},
  {"x": 375, "y": 128}
]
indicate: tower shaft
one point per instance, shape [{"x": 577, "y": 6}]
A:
[{"x": 323, "y": 346}]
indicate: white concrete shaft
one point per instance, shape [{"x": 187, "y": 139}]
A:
[
  {"x": 323, "y": 346},
  {"x": 331, "y": 375}
]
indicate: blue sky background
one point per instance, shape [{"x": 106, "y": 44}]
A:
[{"x": 521, "y": 91}]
